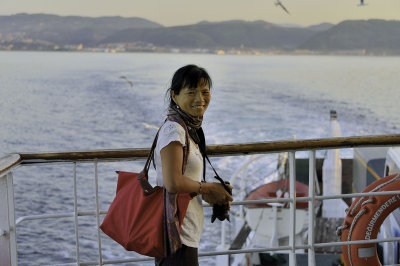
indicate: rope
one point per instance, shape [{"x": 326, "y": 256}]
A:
[
  {"x": 356, "y": 206},
  {"x": 375, "y": 189},
  {"x": 340, "y": 229},
  {"x": 367, "y": 201},
  {"x": 351, "y": 231}
]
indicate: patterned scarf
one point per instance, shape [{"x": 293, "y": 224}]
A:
[
  {"x": 172, "y": 240},
  {"x": 192, "y": 123}
]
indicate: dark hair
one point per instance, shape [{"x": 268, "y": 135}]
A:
[{"x": 188, "y": 76}]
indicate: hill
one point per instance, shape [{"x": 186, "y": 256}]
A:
[
  {"x": 63, "y": 30},
  {"x": 375, "y": 35},
  {"x": 214, "y": 35}
]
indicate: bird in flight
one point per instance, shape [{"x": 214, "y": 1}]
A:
[
  {"x": 362, "y": 3},
  {"x": 149, "y": 126},
  {"x": 127, "y": 80},
  {"x": 279, "y": 3}
]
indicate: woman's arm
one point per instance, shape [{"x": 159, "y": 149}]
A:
[{"x": 176, "y": 182}]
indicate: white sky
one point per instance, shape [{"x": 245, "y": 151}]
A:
[{"x": 183, "y": 12}]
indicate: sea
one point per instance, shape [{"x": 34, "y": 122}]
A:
[{"x": 77, "y": 101}]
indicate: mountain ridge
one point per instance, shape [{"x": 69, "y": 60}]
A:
[
  {"x": 357, "y": 34},
  {"x": 50, "y": 32},
  {"x": 218, "y": 35}
]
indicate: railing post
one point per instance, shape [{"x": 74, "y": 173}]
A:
[
  {"x": 292, "y": 190},
  {"x": 311, "y": 212},
  {"x": 8, "y": 243},
  {"x": 76, "y": 221},
  {"x": 96, "y": 183}
]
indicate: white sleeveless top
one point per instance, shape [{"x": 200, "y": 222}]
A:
[{"x": 192, "y": 225}]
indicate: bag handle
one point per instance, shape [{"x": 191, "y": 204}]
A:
[{"x": 143, "y": 175}]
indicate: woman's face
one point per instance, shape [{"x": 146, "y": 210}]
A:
[{"x": 193, "y": 101}]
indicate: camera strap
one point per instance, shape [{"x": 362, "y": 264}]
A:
[
  {"x": 202, "y": 147},
  {"x": 216, "y": 174}
]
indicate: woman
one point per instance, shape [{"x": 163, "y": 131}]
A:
[{"x": 189, "y": 96}]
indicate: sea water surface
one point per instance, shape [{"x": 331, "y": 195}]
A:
[{"x": 78, "y": 101}]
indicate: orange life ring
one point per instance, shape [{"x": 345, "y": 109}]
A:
[{"x": 363, "y": 220}]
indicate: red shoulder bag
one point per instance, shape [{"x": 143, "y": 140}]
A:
[{"x": 135, "y": 218}]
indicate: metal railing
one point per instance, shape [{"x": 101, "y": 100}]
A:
[{"x": 8, "y": 223}]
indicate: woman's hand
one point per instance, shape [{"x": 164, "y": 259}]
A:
[{"x": 215, "y": 193}]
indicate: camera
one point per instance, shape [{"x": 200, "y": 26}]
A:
[{"x": 221, "y": 211}]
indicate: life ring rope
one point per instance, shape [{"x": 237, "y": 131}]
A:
[
  {"x": 366, "y": 202},
  {"x": 362, "y": 207},
  {"x": 373, "y": 190},
  {"x": 351, "y": 231}
]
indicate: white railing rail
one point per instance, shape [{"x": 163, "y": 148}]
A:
[{"x": 8, "y": 223}]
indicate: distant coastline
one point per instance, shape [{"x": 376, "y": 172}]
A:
[
  {"x": 43, "y": 32},
  {"x": 162, "y": 50}
]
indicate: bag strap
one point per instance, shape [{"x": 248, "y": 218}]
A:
[
  {"x": 150, "y": 157},
  {"x": 144, "y": 174}
]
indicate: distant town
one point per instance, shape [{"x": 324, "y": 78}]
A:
[{"x": 30, "y": 45}]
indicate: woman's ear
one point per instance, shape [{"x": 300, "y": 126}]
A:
[{"x": 173, "y": 97}]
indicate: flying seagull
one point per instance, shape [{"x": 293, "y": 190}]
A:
[
  {"x": 278, "y": 3},
  {"x": 127, "y": 80},
  {"x": 149, "y": 126},
  {"x": 362, "y": 3}
]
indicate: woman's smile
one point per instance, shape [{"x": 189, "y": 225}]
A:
[{"x": 193, "y": 101}]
